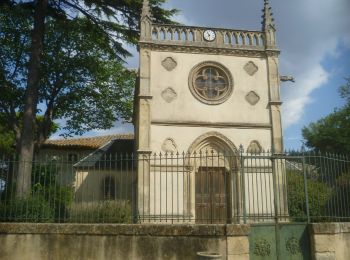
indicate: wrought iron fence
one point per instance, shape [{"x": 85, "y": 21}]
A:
[{"x": 204, "y": 187}]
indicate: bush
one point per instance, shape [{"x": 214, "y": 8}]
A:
[
  {"x": 48, "y": 200},
  {"x": 45, "y": 184},
  {"x": 58, "y": 197},
  {"x": 339, "y": 203},
  {"x": 318, "y": 195},
  {"x": 30, "y": 209},
  {"x": 101, "y": 212}
]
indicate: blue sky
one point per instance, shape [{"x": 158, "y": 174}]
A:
[{"x": 314, "y": 37}]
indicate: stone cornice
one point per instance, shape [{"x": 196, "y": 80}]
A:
[
  {"x": 188, "y": 48},
  {"x": 275, "y": 103},
  {"x": 125, "y": 229},
  {"x": 140, "y": 151},
  {"x": 210, "y": 125},
  {"x": 272, "y": 52},
  {"x": 145, "y": 97}
]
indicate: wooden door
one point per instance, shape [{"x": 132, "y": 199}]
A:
[{"x": 211, "y": 195}]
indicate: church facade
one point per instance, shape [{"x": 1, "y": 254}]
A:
[{"x": 204, "y": 92}]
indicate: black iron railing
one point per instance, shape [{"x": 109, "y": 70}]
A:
[{"x": 202, "y": 187}]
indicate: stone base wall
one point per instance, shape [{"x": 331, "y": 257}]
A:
[
  {"x": 330, "y": 241},
  {"x": 87, "y": 241}
]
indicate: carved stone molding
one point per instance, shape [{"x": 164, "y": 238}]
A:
[
  {"x": 251, "y": 68},
  {"x": 213, "y": 144},
  {"x": 253, "y": 53},
  {"x": 252, "y": 98},
  {"x": 169, "y": 146},
  {"x": 262, "y": 247},
  {"x": 169, "y": 95},
  {"x": 254, "y": 147},
  {"x": 169, "y": 63},
  {"x": 211, "y": 124},
  {"x": 212, "y": 135}
]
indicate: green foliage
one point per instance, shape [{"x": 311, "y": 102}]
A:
[
  {"x": 345, "y": 91},
  {"x": 31, "y": 209},
  {"x": 331, "y": 133},
  {"x": 341, "y": 196},
  {"x": 101, "y": 212},
  {"x": 118, "y": 20},
  {"x": 82, "y": 76},
  {"x": 318, "y": 196},
  {"x": 7, "y": 140},
  {"x": 45, "y": 184},
  {"x": 48, "y": 200}
]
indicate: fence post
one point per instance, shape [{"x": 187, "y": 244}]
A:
[
  {"x": 275, "y": 202},
  {"x": 241, "y": 150},
  {"x": 275, "y": 190},
  {"x": 306, "y": 191}
]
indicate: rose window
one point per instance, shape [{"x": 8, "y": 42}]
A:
[{"x": 211, "y": 83}]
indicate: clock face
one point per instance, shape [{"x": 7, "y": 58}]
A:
[{"x": 209, "y": 35}]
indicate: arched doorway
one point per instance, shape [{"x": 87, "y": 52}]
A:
[{"x": 214, "y": 160}]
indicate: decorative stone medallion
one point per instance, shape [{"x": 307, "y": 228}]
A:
[
  {"x": 293, "y": 246},
  {"x": 252, "y": 98},
  {"x": 169, "y": 95},
  {"x": 262, "y": 247},
  {"x": 169, "y": 146},
  {"x": 254, "y": 147},
  {"x": 169, "y": 63},
  {"x": 251, "y": 68}
]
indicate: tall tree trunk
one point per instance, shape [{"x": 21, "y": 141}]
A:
[{"x": 31, "y": 101}]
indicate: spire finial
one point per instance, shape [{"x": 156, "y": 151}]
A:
[
  {"x": 146, "y": 10},
  {"x": 268, "y": 21}
]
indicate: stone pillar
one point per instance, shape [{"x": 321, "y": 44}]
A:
[
  {"x": 143, "y": 114},
  {"x": 274, "y": 101},
  {"x": 330, "y": 241},
  {"x": 237, "y": 242},
  {"x": 276, "y": 133}
]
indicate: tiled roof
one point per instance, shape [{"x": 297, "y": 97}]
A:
[{"x": 87, "y": 142}]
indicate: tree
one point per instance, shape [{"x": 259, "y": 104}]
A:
[
  {"x": 8, "y": 138},
  {"x": 28, "y": 77},
  {"x": 331, "y": 133}
]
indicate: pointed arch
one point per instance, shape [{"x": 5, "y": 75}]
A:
[
  {"x": 213, "y": 137},
  {"x": 213, "y": 144}
]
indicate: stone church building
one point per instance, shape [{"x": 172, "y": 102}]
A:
[{"x": 204, "y": 90}]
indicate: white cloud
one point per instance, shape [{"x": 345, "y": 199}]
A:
[
  {"x": 118, "y": 128},
  {"x": 308, "y": 33},
  {"x": 300, "y": 95}
]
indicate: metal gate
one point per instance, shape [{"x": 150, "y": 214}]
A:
[
  {"x": 278, "y": 227},
  {"x": 279, "y": 241}
]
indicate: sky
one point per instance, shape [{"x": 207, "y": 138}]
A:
[{"x": 314, "y": 39}]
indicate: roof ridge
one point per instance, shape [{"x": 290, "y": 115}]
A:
[
  {"x": 92, "y": 142},
  {"x": 90, "y": 137}
]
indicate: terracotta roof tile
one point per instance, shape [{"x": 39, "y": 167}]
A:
[{"x": 87, "y": 142}]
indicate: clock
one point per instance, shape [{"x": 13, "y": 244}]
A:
[{"x": 209, "y": 35}]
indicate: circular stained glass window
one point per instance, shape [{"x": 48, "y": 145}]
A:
[{"x": 211, "y": 83}]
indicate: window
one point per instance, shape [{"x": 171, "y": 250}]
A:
[
  {"x": 108, "y": 188},
  {"x": 72, "y": 158},
  {"x": 211, "y": 83}
]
